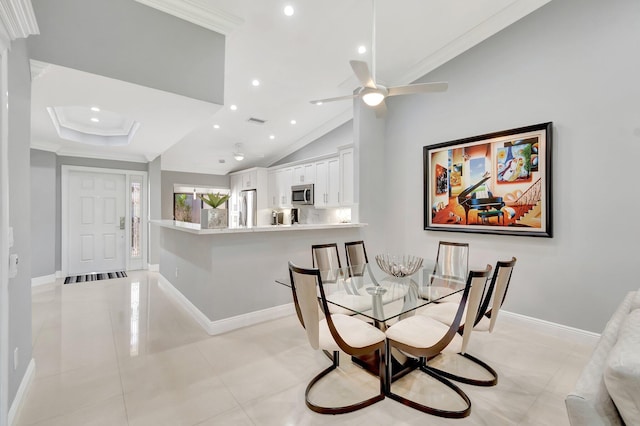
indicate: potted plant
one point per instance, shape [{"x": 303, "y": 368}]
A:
[{"x": 214, "y": 217}]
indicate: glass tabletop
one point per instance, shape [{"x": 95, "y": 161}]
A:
[{"x": 367, "y": 290}]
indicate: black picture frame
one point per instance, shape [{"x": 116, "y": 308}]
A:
[{"x": 497, "y": 183}]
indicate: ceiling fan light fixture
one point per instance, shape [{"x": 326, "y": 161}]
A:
[
  {"x": 373, "y": 99},
  {"x": 238, "y": 156}
]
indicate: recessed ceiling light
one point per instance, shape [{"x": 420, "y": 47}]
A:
[
  {"x": 272, "y": 137},
  {"x": 255, "y": 82},
  {"x": 95, "y": 109},
  {"x": 362, "y": 50},
  {"x": 95, "y": 119},
  {"x": 216, "y": 126},
  {"x": 233, "y": 107},
  {"x": 293, "y": 121},
  {"x": 288, "y": 10}
]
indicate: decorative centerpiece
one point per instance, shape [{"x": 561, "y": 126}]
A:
[
  {"x": 214, "y": 217},
  {"x": 399, "y": 266}
]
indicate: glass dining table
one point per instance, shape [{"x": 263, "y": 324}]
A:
[{"x": 381, "y": 298}]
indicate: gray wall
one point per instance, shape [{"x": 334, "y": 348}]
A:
[
  {"x": 155, "y": 208},
  {"x": 43, "y": 215},
  {"x": 327, "y": 144},
  {"x": 178, "y": 57},
  {"x": 86, "y": 162},
  {"x": 573, "y": 62},
  {"x": 225, "y": 275},
  {"x": 19, "y": 80},
  {"x": 169, "y": 178}
]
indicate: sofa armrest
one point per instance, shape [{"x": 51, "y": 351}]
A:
[{"x": 589, "y": 404}]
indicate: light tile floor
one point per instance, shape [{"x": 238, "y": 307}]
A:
[{"x": 121, "y": 352}]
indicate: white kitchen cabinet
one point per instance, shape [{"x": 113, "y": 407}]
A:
[
  {"x": 272, "y": 189},
  {"x": 327, "y": 185},
  {"x": 235, "y": 182},
  {"x": 346, "y": 177},
  {"x": 250, "y": 179},
  {"x": 279, "y": 187},
  {"x": 284, "y": 184},
  {"x": 304, "y": 174}
]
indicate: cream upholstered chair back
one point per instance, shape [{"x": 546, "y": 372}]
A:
[
  {"x": 499, "y": 284},
  {"x": 478, "y": 287},
  {"x": 452, "y": 260},
  {"x": 356, "y": 257},
  {"x": 305, "y": 298},
  {"x": 325, "y": 257}
]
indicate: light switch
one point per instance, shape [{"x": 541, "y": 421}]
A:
[{"x": 13, "y": 265}]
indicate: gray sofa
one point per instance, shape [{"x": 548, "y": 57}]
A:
[{"x": 608, "y": 389}]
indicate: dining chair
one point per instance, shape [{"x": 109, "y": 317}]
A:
[
  {"x": 497, "y": 293},
  {"x": 325, "y": 257},
  {"x": 356, "y": 255},
  {"x": 452, "y": 262},
  {"x": 332, "y": 333},
  {"x": 424, "y": 338},
  {"x": 485, "y": 319}
]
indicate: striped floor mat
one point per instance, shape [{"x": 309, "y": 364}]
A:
[{"x": 94, "y": 277}]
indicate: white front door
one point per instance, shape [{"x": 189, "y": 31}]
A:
[{"x": 96, "y": 222}]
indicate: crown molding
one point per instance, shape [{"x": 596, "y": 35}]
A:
[
  {"x": 199, "y": 13},
  {"x": 496, "y": 23},
  {"x": 63, "y": 152},
  {"x": 18, "y": 18},
  {"x": 38, "y": 68}
]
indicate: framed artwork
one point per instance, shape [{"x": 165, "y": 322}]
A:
[{"x": 498, "y": 183}]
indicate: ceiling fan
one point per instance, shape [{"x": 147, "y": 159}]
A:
[
  {"x": 374, "y": 94},
  {"x": 240, "y": 154}
]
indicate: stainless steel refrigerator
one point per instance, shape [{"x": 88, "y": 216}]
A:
[{"x": 248, "y": 212}]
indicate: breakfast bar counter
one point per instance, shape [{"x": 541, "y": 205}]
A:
[
  {"x": 224, "y": 277},
  {"x": 194, "y": 228}
]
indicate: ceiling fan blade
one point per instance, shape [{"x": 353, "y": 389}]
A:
[
  {"x": 339, "y": 98},
  {"x": 381, "y": 110},
  {"x": 361, "y": 70},
  {"x": 418, "y": 88}
]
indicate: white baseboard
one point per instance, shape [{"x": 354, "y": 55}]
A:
[
  {"x": 226, "y": 324},
  {"x": 25, "y": 384},
  {"x": 59, "y": 274},
  {"x": 153, "y": 267},
  {"x": 553, "y": 328},
  {"x": 46, "y": 279}
]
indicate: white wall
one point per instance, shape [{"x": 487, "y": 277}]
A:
[{"x": 573, "y": 62}]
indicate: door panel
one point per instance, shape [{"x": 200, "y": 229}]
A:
[{"x": 96, "y": 202}]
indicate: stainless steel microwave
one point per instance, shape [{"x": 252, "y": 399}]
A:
[{"x": 302, "y": 195}]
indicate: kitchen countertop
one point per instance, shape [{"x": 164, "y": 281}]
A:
[{"x": 194, "y": 228}]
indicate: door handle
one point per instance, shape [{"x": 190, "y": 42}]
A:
[{"x": 122, "y": 222}]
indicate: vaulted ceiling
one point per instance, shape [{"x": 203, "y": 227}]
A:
[{"x": 177, "y": 67}]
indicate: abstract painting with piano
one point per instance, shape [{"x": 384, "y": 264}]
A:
[{"x": 497, "y": 183}]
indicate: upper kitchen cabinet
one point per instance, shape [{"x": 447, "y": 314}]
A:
[
  {"x": 279, "y": 187},
  {"x": 327, "y": 186},
  {"x": 304, "y": 174},
  {"x": 250, "y": 179}
]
